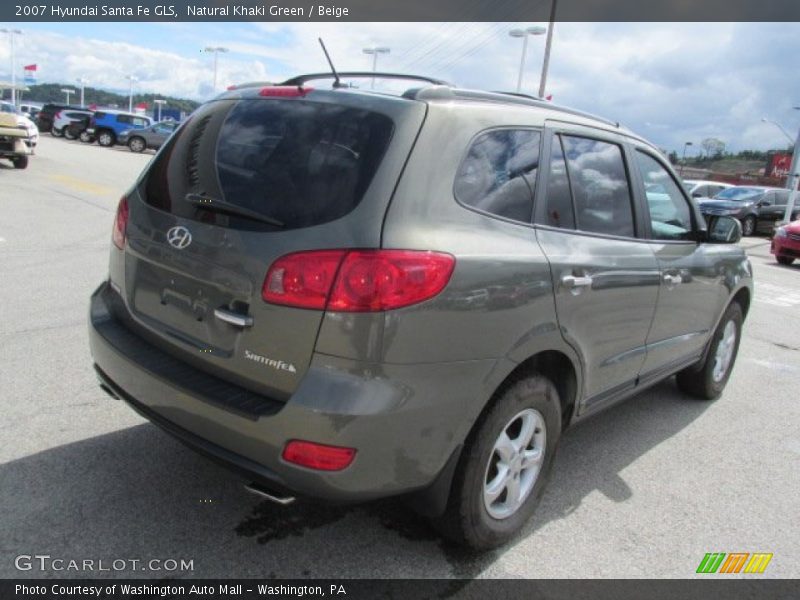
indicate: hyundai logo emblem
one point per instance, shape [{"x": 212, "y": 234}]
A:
[{"x": 179, "y": 237}]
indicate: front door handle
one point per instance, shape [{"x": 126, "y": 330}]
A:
[
  {"x": 233, "y": 318},
  {"x": 575, "y": 283},
  {"x": 672, "y": 279}
]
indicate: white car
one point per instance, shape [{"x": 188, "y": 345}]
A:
[
  {"x": 64, "y": 117},
  {"x": 700, "y": 188},
  {"x": 23, "y": 122}
]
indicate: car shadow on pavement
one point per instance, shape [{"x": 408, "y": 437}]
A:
[{"x": 138, "y": 494}]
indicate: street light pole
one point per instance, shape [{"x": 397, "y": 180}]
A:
[
  {"x": 131, "y": 79},
  {"x": 792, "y": 178},
  {"x": 547, "y": 46},
  {"x": 779, "y": 126},
  {"x": 67, "y": 91},
  {"x": 82, "y": 81},
  {"x": 11, "y": 33},
  {"x": 216, "y": 50},
  {"x": 524, "y": 33},
  {"x": 158, "y": 102},
  {"x": 683, "y": 159},
  {"x": 374, "y": 51}
]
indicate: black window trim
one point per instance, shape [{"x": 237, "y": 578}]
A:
[
  {"x": 558, "y": 128},
  {"x": 531, "y": 189},
  {"x": 645, "y": 208}
]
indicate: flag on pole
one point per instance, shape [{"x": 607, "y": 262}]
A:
[{"x": 30, "y": 73}]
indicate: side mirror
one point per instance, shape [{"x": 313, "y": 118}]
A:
[{"x": 724, "y": 230}]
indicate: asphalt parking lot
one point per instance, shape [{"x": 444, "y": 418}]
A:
[{"x": 643, "y": 490}]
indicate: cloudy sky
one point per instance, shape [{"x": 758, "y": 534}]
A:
[{"x": 671, "y": 82}]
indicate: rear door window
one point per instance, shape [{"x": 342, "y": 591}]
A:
[
  {"x": 277, "y": 164},
  {"x": 600, "y": 188},
  {"x": 499, "y": 173}
]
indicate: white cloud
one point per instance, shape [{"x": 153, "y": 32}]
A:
[{"x": 671, "y": 82}]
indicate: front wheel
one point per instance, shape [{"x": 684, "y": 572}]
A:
[
  {"x": 85, "y": 137},
  {"x": 504, "y": 466},
  {"x": 105, "y": 138},
  {"x": 748, "y": 225},
  {"x": 136, "y": 144},
  {"x": 56, "y": 132},
  {"x": 21, "y": 162},
  {"x": 784, "y": 260},
  {"x": 706, "y": 380}
]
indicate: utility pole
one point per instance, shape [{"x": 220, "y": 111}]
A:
[
  {"x": 683, "y": 159},
  {"x": 11, "y": 33},
  {"x": 131, "y": 79},
  {"x": 374, "y": 51},
  {"x": 524, "y": 33},
  {"x": 82, "y": 81},
  {"x": 792, "y": 179},
  {"x": 548, "y": 45}
]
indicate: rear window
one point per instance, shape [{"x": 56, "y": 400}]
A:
[{"x": 295, "y": 162}]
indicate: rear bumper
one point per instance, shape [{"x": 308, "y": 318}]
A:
[{"x": 406, "y": 421}]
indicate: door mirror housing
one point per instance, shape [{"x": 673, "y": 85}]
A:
[{"x": 724, "y": 230}]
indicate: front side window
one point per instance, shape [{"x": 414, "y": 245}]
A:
[
  {"x": 600, "y": 189},
  {"x": 670, "y": 216},
  {"x": 499, "y": 173}
]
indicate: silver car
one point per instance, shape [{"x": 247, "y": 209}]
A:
[{"x": 139, "y": 140}]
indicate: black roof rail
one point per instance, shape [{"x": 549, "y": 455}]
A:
[{"x": 301, "y": 79}]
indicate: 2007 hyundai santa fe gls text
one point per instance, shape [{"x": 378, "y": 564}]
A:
[{"x": 348, "y": 295}]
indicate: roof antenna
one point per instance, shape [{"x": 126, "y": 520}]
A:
[{"x": 336, "y": 83}]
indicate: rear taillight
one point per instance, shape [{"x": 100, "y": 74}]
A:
[
  {"x": 118, "y": 234},
  {"x": 57, "y": 115},
  {"x": 318, "y": 456},
  {"x": 357, "y": 280}
]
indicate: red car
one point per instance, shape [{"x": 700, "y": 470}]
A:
[{"x": 786, "y": 243}]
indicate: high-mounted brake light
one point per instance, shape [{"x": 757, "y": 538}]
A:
[
  {"x": 318, "y": 456},
  {"x": 119, "y": 232},
  {"x": 357, "y": 280},
  {"x": 285, "y": 91}
]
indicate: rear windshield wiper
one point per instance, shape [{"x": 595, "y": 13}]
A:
[{"x": 218, "y": 205}]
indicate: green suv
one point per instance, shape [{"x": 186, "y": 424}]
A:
[{"x": 348, "y": 295}]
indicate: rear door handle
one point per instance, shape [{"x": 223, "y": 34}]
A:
[
  {"x": 572, "y": 282},
  {"x": 233, "y": 318}
]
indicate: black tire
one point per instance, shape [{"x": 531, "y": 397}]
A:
[
  {"x": 68, "y": 134},
  {"x": 56, "y": 132},
  {"x": 466, "y": 520},
  {"x": 85, "y": 137},
  {"x": 106, "y": 138},
  {"x": 21, "y": 162},
  {"x": 784, "y": 260},
  {"x": 698, "y": 380},
  {"x": 137, "y": 144},
  {"x": 748, "y": 226}
]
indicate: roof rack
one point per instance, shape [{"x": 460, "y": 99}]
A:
[{"x": 301, "y": 79}]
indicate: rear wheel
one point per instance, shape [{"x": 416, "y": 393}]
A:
[
  {"x": 137, "y": 144},
  {"x": 784, "y": 260},
  {"x": 504, "y": 466},
  {"x": 56, "y": 132},
  {"x": 706, "y": 380},
  {"x": 69, "y": 134},
  {"x": 748, "y": 225},
  {"x": 21, "y": 162},
  {"x": 85, "y": 137},
  {"x": 105, "y": 138}
]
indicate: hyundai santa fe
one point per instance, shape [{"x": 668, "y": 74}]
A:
[{"x": 348, "y": 295}]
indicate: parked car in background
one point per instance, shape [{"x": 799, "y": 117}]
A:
[
  {"x": 63, "y": 118},
  {"x": 139, "y": 140},
  {"x": 44, "y": 120},
  {"x": 756, "y": 207},
  {"x": 30, "y": 109},
  {"x": 106, "y": 125},
  {"x": 15, "y": 144},
  {"x": 348, "y": 295},
  {"x": 786, "y": 243},
  {"x": 23, "y": 122},
  {"x": 77, "y": 129},
  {"x": 700, "y": 188}
]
